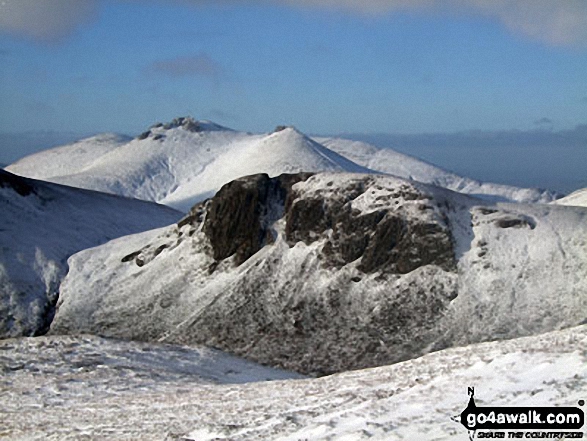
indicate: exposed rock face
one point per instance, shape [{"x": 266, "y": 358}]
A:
[
  {"x": 241, "y": 214},
  {"x": 385, "y": 240},
  {"x": 240, "y": 219},
  {"x": 321, "y": 330},
  {"x": 293, "y": 271},
  {"x": 144, "y": 135},
  {"x": 187, "y": 123}
]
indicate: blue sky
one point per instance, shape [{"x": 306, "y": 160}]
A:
[
  {"x": 479, "y": 70},
  {"x": 374, "y": 66}
]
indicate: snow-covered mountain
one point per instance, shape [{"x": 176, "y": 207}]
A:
[
  {"x": 68, "y": 159},
  {"x": 399, "y": 164},
  {"x": 333, "y": 271},
  {"x": 183, "y": 162},
  {"x": 329, "y": 268},
  {"x": 186, "y": 161},
  {"x": 577, "y": 199},
  {"x": 55, "y": 388},
  {"x": 41, "y": 225}
]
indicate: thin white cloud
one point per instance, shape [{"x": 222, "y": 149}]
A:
[
  {"x": 553, "y": 22},
  {"x": 45, "y": 20},
  {"x": 366, "y": 6}
]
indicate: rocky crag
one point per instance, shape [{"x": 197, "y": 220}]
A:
[{"x": 321, "y": 273}]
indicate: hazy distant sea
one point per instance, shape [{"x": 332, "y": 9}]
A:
[{"x": 555, "y": 161}]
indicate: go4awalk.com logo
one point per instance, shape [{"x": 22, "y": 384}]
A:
[{"x": 522, "y": 422}]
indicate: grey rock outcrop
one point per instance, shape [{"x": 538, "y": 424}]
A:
[
  {"x": 294, "y": 272},
  {"x": 185, "y": 122},
  {"x": 241, "y": 214},
  {"x": 326, "y": 272}
]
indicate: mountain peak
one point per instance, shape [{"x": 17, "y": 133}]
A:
[
  {"x": 288, "y": 133},
  {"x": 281, "y": 128},
  {"x": 187, "y": 123}
]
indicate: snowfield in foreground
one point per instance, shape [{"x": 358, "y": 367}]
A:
[{"x": 61, "y": 388}]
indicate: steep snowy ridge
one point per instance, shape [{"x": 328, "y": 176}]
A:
[
  {"x": 186, "y": 161},
  {"x": 91, "y": 388},
  {"x": 284, "y": 151},
  {"x": 336, "y": 271},
  {"x": 404, "y": 166},
  {"x": 42, "y": 225},
  {"x": 577, "y": 199}
]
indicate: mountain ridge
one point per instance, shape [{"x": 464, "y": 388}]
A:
[
  {"x": 392, "y": 162},
  {"x": 185, "y": 161},
  {"x": 42, "y": 225},
  {"x": 326, "y": 272},
  {"x": 578, "y": 199}
]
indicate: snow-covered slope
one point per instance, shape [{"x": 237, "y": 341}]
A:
[
  {"x": 404, "y": 166},
  {"x": 577, "y": 199},
  {"x": 284, "y": 151},
  {"x": 336, "y": 271},
  {"x": 87, "y": 388},
  {"x": 68, "y": 159},
  {"x": 186, "y": 161},
  {"x": 159, "y": 362},
  {"x": 41, "y": 225}
]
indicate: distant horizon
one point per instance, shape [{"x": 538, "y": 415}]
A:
[
  {"x": 435, "y": 79},
  {"x": 536, "y": 158}
]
